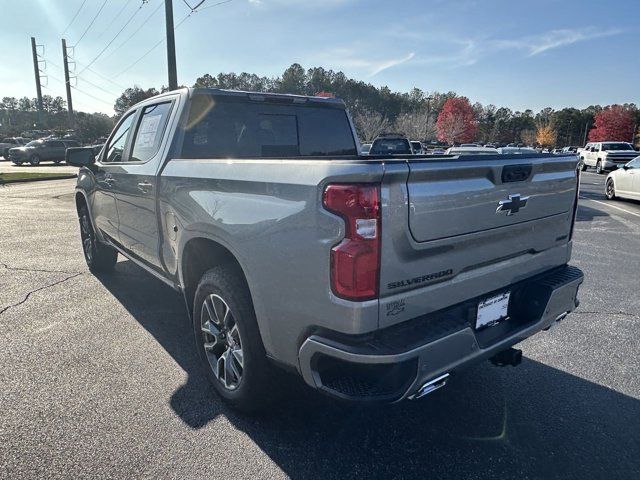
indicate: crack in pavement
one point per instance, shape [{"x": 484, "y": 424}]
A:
[
  {"x": 37, "y": 290},
  {"x": 24, "y": 269}
]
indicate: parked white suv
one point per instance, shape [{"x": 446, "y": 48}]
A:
[{"x": 605, "y": 156}]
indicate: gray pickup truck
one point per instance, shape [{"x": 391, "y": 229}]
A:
[{"x": 372, "y": 277}]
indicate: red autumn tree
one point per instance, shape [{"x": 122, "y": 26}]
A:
[
  {"x": 457, "y": 121},
  {"x": 615, "y": 122}
]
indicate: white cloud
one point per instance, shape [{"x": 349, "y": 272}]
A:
[
  {"x": 350, "y": 58},
  {"x": 466, "y": 52},
  {"x": 561, "y": 38}
]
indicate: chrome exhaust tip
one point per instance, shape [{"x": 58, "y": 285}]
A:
[{"x": 431, "y": 386}]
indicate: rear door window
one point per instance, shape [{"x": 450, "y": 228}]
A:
[
  {"x": 219, "y": 127},
  {"x": 150, "y": 131}
]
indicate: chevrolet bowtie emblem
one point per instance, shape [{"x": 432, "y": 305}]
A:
[{"x": 513, "y": 205}]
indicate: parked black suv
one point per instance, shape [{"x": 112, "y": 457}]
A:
[{"x": 38, "y": 151}]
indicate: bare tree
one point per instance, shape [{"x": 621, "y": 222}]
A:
[
  {"x": 528, "y": 137},
  {"x": 370, "y": 124},
  {"x": 418, "y": 125}
]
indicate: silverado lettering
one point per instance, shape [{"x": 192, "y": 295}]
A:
[{"x": 418, "y": 280}]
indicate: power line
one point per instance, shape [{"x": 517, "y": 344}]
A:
[
  {"x": 92, "y": 96},
  {"x": 113, "y": 20},
  {"x": 101, "y": 75},
  {"x": 156, "y": 45},
  {"x": 136, "y": 30},
  {"x": 74, "y": 17},
  {"x": 91, "y": 23},
  {"x": 83, "y": 79},
  {"x": 113, "y": 39}
]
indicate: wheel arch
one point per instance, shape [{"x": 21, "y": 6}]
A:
[{"x": 200, "y": 254}]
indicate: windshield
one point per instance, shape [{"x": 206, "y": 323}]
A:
[
  {"x": 616, "y": 146},
  {"x": 34, "y": 143},
  {"x": 391, "y": 146}
]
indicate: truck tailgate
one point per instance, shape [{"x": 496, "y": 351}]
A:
[
  {"x": 452, "y": 199},
  {"x": 456, "y": 228}
]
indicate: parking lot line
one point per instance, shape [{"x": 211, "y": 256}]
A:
[{"x": 612, "y": 206}]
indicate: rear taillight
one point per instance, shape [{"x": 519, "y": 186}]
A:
[{"x": 355, "y": 261}]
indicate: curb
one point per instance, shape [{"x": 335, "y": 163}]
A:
[{"x": 42, "y": 179}]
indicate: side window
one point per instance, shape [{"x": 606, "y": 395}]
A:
[
  {"x": 635, "y": 163},
  {"x": 115, "y": 147},
  {"x": 55, "y": 144},
  {"x": 149, "y": 132}
]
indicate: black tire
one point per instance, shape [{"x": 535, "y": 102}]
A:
[
  {"x": 17, "y": 163},
  {"x": 57, "y": 162},
  {"x": 599, "y": 170},
  {"x": 34, "y": 160},
  {"x": 223, "y": 287},
  {"x": 583, "y": 167},
  {"x": 99, "y": 257},
  {"x": 610, "y": 190}
]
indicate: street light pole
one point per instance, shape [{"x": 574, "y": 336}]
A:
[{"x": 171, "y": 45}]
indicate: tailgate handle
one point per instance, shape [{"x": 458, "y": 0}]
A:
[{"x": 516, "y": 173}]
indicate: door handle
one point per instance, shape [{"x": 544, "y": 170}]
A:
[
  {"x": 145, "y": 187},
  {"x": 109, "y": 180}
]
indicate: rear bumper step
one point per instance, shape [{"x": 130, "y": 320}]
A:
[{"x": 402, "y": 361}]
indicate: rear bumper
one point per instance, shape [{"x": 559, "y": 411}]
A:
[{"x": 393, "y": 363}]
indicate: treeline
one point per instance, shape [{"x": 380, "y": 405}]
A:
[
  {"x": 18, "y": 115},
  {"x": 374, "y": 109},
  {"x": 416, "y": 112}
]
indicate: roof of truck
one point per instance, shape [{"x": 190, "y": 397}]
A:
[{"x": 258, "y": 96}]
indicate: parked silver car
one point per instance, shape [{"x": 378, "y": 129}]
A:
[{"x": 624, "y": 182}]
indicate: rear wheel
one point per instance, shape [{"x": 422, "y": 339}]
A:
[
  {"x": 599, "y": 170},
  {"x": 228, "y": 340},
  {"x": 57, "y": 161},
  {"x": 99, "y": 257},
  {"x": 17, "y": 163},
  {"x": 34, "y": 160},
  {"x": 610, "y": 190}
]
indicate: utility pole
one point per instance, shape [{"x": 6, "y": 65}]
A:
[
  {"x": 586, "y": 130},
  {"x": 67, "y": 83},
  {"x": 171, "y": 45},
  {"x": 36, "y": 69}
]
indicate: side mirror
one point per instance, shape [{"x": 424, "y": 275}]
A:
[{"x": 79, "y": 156}]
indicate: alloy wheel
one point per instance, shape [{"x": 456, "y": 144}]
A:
[
  {"x": 87, "y": 237},
  {"x": 222, "y": 342},
  {"x": 610, "y": 190}
]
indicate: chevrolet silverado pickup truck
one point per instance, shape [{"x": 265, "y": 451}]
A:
[
  {"x": 374, "y": 278},
  {"x": 606, "y": 156}
]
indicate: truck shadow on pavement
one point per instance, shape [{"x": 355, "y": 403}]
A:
[{"x": 531, "y": 422}]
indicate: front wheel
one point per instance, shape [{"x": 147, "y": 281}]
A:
[
  {"x": 599, "y": 170},
  {"x": 228, "y": 340},
  {"x": 583, "y": 167},
  {"x": 34, "y": 160},
  {"x": 99, "y": 257},
  {"x": 610, "y": 190}
]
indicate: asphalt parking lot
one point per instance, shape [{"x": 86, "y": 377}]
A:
[
  {"x": 46, "y": 167},
  {"x": 99, "y": 379}
]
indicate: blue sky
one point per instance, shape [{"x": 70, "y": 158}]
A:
[{"x": 516, "y": 53}]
